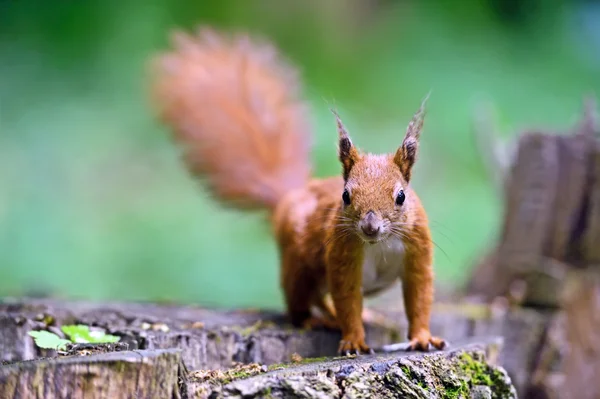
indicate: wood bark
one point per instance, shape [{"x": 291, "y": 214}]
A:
[
  {"x": 463, "y": 372},
  {"x": 548, "y": 245},
  {"x": 217, "y": 340},
  {"x": 467, "y": 369},
  {"x": 139, "y": 374},
  {"x": 551, "y": 223}
]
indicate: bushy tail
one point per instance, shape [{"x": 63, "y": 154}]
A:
[{"x": 233, "y": 104}]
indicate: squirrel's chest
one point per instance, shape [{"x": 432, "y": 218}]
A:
[{"x": 383, "y": 264}]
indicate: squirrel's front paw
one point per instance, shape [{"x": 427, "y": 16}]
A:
[
  {"x": 351, "y": 346},
  {"x": 422, "y": 339}
]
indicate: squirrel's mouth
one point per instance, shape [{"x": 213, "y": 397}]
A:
[
  {"x": 372, "y": 240},
  {"x": 371, "y": 231}
]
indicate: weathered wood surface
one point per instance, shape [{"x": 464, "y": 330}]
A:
[
  {"x": 207, "y": 338},
  {"x": 581, "y": 367},
  {"x": 574, "y": 340},
  {"x": 467, "y": 371},
  {"x": 550, "y": 238},
  {"x": 210, "y": 339},
  {"x": 140, "y": 374},
  {"x": 552, "y": 217}
]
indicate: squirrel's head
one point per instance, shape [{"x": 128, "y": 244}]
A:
[{"x": 376, "y": 199}]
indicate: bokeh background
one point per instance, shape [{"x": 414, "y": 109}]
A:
[{"x": 95, "y": 203}]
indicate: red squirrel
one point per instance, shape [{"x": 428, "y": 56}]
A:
[{"x": 234, "y": 107}]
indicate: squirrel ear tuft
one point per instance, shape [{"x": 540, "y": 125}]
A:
[
  {"x": 348, "y": 154},
  {"x": 406, "y": 155}
]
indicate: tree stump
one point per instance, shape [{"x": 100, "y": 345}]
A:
[
  {"x": 208, "y": 351},
  {"x": 581, "y": 366},
  {"x": 551, "y": 222},
  {"x": 550, "y": 239},
  {"x": 552, "y": 217},
  {"x": 464, "y": 372},
  {"x": 139, "y": 374}
]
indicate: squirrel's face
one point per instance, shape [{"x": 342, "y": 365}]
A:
[{"x": 376, "y": 199}]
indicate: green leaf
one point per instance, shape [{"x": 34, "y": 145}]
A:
[
  {"x": 48, "y": 340},
  {"x": 81, "y": 333}
]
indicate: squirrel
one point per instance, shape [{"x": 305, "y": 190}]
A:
[{"x": 233, "y": 105}]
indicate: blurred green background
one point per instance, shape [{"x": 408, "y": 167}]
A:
[{"x": 95, "y": 203}]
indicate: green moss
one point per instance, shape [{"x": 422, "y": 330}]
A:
[
  {"x": 277, "y": 366},
  {"x": 451, "y": 393},
  {"x": 455, "y": 392},
  {"x": 454, "y": 385},
  {"x": 267, "y": 393},
  {"x": 411, "y": 374},
  {"x": 476, "y": 370},
  {"x": 226, "y": 376},
  {"x": 214, "y": 336},
  {"x": 120, "y": 367},
  {"x": 259, "y": 325},
  {"x": 307, "y": 360},
  {"x": 471, "y": 370},
  {"x": 452, "y": 378},
  {"x": 414, "y": 377},
  {"x": 237, "y": 375}
]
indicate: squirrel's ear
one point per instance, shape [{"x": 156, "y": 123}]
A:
[
  {"x": 406, "y": 155},
  {"x": 347, "y": 152}
]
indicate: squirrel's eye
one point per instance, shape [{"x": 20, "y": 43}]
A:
[
  {"x": 400, "y": 198},
  {"x": 346, "y": 197}
]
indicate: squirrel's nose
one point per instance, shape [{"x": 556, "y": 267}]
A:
[
  {"x": 370, "y": 224},
  {"x": 370, "y": 229}
]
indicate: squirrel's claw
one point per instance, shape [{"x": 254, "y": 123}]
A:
[
  {"x": 354, "y": 347},
  {"x": 438, "y": 343},
  {"x": 423, "y": 340}
]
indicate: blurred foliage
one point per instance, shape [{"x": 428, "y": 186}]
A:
[
  {"x": 95, "y": 203},
  {"x": 81, "y": 334},
  {"x": 48, "y": 340}
]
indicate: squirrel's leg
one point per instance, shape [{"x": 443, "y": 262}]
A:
[
  {"x": 299, "y": 289},
  {"x": 417, "y": 287},
  {"x": 325, "y": 305},
  {"x": 344, "y": 282},
  {"x": 370, "y": 316},
  {"x": 374, "y": 317},
  {"x": 296, "y": 286}
]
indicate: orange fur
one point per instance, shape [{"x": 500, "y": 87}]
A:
[{"x": 234, "y": 106}]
